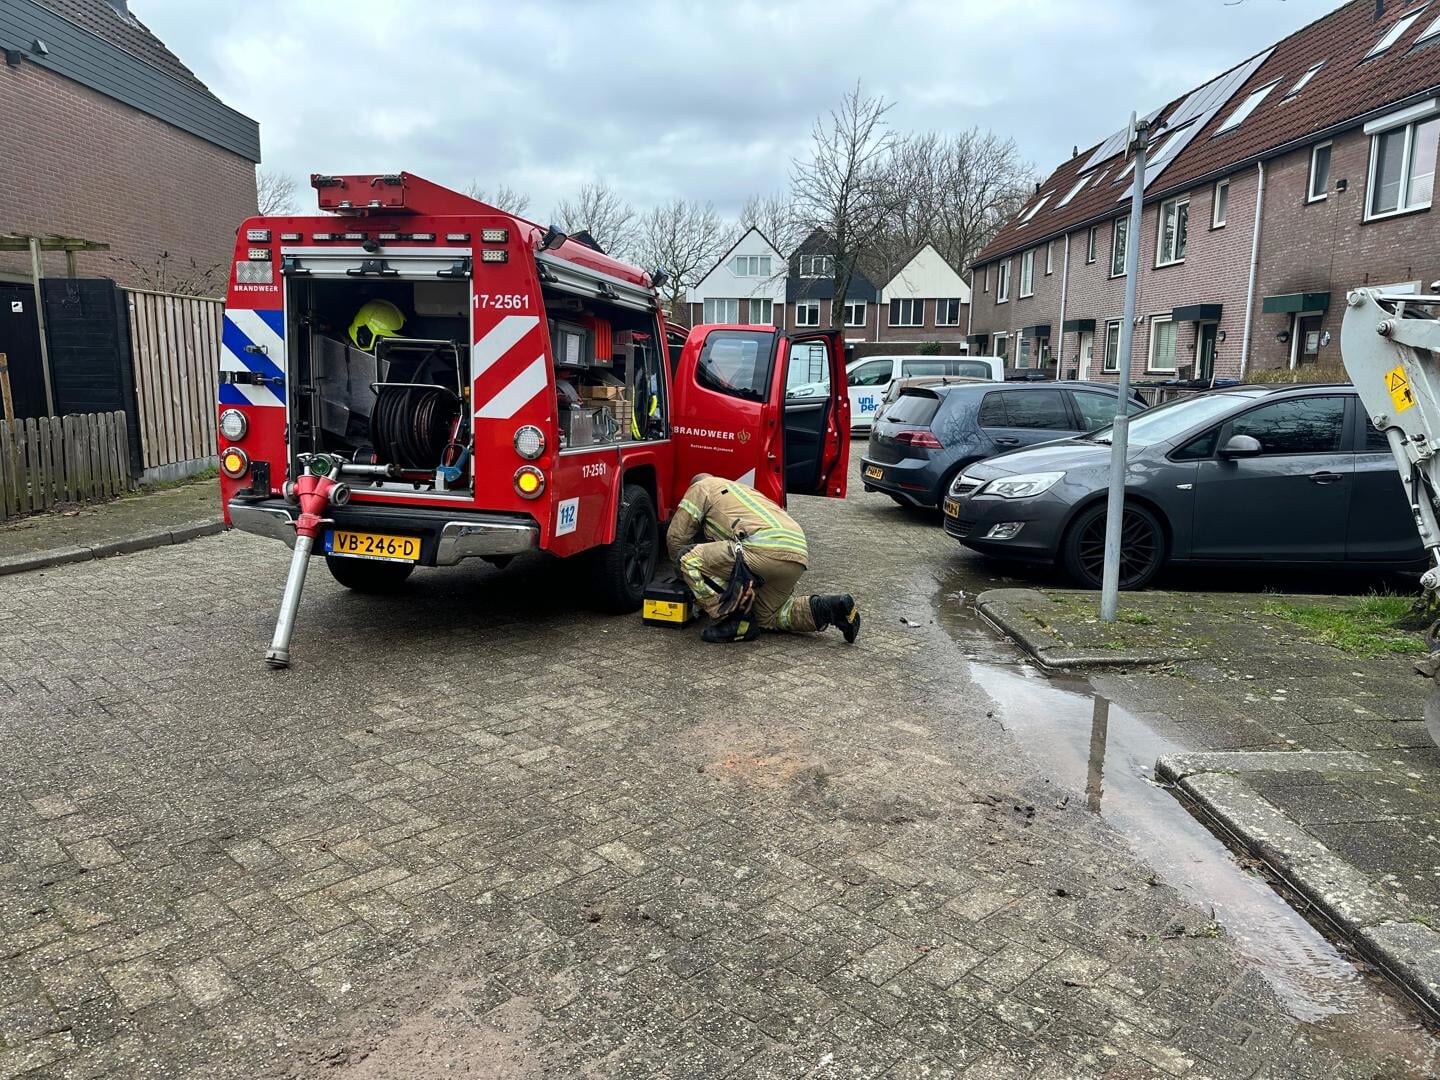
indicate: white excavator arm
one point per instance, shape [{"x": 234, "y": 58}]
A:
[{"x": 1390, "y": 345}]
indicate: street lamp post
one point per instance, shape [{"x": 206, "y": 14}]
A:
[{"x": 1119, "y": 434}]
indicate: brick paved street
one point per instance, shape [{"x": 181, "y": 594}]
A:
[{"x": 475, "y": 833}]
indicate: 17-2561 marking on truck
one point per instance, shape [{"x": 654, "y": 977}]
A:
[{"x": 502, "y": 301}]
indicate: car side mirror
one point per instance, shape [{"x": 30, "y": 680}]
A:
[{"x": 1241, "y": 446}]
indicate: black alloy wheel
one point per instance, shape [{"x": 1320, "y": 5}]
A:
[
  {"x": 1142, "y": 547},
  {"x": 620, "y": 571}
]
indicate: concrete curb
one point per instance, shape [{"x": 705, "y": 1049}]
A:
[
  {"x": 1377, "y": 926},
  {"x": 42, "y": 560},
  {"x": 1004, "y": 610}
]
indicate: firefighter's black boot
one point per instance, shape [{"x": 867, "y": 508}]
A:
[
  {"x": 837, "y": 610},
  {"x": 735, "y": 628}
]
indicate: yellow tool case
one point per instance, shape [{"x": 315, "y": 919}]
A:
[{"x": 667, "y": 604}]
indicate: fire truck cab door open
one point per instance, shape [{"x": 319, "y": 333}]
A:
[{"x": 768, "y": 409}]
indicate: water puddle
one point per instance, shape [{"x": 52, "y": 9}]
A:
[{"x": 1106, "y": 756}]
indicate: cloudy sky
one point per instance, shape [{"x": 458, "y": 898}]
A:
[{"x": 705, "y": 100}]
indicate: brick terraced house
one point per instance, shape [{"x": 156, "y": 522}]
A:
[
  {"x": 1271, "y": 190},
  {"x": 108, "y": 137}
]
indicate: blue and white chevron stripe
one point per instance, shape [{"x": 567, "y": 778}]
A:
[{"x": 264, "y": 329}]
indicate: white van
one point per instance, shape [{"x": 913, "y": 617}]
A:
[{"x": 868, "y": 378}]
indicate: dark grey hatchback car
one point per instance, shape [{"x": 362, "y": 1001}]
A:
[
  {"x": 924, "y": 438},
  {"x": 1291, "y": 474}
]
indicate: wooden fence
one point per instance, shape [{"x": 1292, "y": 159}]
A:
[
  {"x": 84, "y": 457},
  {"x": 175, "y": 341}
]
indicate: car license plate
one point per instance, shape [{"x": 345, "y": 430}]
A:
[
  {"x": 874, "y": 472},
  {"x": 363, "y": 545},
  {"x": 952, "y": 508}
]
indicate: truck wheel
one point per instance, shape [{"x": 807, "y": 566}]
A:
[
  {"x": 620, "y": 571},
  {"x": 368, "y": 575}
]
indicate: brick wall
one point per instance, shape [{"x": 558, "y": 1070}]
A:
[
  {"x": 75, "y": 162},
  {"x": 1327, "y": 246}
]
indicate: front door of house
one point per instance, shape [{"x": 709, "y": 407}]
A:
[
  {"x": 1087, "y": 352},
  {"x": 1205, "y": 351}
]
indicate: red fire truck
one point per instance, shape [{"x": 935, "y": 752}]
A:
[{"x": 413, "y": 378}]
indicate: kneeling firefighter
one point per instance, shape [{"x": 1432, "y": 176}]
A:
[{"x": 741, "y": 555}]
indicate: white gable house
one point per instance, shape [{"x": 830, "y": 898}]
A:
[
  {"x": 747, "y": 285},
  {"x": 927, "y": 300}
]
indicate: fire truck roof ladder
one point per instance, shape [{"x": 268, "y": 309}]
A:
[{"x": 392, "y": 193}]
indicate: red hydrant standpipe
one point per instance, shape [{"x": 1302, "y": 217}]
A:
[{"x": 317, "y": 488}]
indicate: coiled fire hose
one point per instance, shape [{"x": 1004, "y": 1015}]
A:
[{"x": 412, "y": 425}]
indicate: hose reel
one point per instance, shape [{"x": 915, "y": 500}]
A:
[{"x": 413, "y": 423}]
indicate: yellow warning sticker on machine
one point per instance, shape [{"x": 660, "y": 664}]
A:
[{"x": 1399, "y": 388}]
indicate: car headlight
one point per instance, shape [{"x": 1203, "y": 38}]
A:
[{"x": 1024, "y": 486}]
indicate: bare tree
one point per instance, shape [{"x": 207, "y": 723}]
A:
[
  {"x": 844, "y": 186},
  {"x": 167, "y": 273},
  {"x": 684, "y": 237},
  {"x": 275, "y": 192},
  {"x": 505, "y": 198},
  {"x": 774, "y": 216},
  {"x": 600, "y": 211}
]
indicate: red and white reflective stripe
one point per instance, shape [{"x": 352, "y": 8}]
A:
[
  {"x": 521, "y": 390},
  {"x": 494, "y": 360},
  {"x": 501, "y": 338}
]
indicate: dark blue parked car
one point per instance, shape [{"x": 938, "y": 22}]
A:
[{"x": 920, "y": 443}]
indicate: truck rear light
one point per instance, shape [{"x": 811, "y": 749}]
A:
[
  {"x": 323, "y": 236},
  {"x": 257, "y": 236},
  {"x": 529, "y": 482},
  {"x": 291, "y": 236},
  {"x": 457, "y": 236},
  {"x": 495, "y": 236},
  {"x": 354, "y": 236},
  {"x": 529, "y": 442},
  {"x": 259, "y": 255},
  {"x": 494, "y": 255},
  {"x": 233, "y": 424},
  {"x": 387, "y": 236},
  {"x": 422, "y": 236},
  {"x": 924, "y": 439},
  {"x": 234, "y": 463}
]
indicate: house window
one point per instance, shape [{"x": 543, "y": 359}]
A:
[
  {"x": 1027, "y": 273},
  {"x": 1392, "y": 35},
  {"x": 947, "y": 312},
  {"x": 1319, "y": 173},
  {"x": 1117, "y": 247},
  {"x": 750, "y": 266},
  {"x": 807, "y": 313},
  {"x": 1073, "y": 191},
  {"x": 1091, "y": 243},
  {"x": 908, "y": 312},
  {"x": 1174, "y": 227},
  {"x": 1222, "y": 204},
  {"x": 762, "y": 312},
  {"x": 855, "y": 313},
  {"x": 1035, "y": 209},
  {"x": 817, "y": 266},
  {"x": 1162, "y": 344},
  {"x": 1300, "y": 83},
  {"x": 1112, "y": 345},
  {"x": 987, "y": 278},
  {"x": 1002, "y": 291},
  {"x": 1249, "y": 105},
  {"x": 1002, "y": 345},
  {"x": 1402, "y": 168},
  {"x": 721, "y": 310},
  {"x": 1425, "y": 35},
  {"x": 1022, "y": 353},
  {"x": 1050, "y": 257}
]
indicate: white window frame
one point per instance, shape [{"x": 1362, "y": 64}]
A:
[
  {"x": 1049, "y": 258},
  {"x": 1178, "y": 256},
  {"x": 760, "y": 263},
  {"x": 1429, "y": 32},
  {"x": 987, "y": 276},
  {"x": 1406, "y": 165},
  {"x": 1304, "y": 80},
  {"x": 1092, "y": 245},
  {"x": 1118, "y": 224},
  {"x": 804, "y": 306},
  {"x": 1156, "y": 320},
  {"x": 1310, "y": 195},
  {"x": 817, "y": 266},
  {"x": 1002, "y": 288},
  {"x": 1394, "y": 32},
  {"x": 1253, "y": 101},
  {"x": 1217, "y": 214},
  {"x": 1073, "y": 191},
  {"x": 864, "y": 314},
  {"x": 769, "y": 305},
  {"x": 1118, "y": 325},
  {"x": 732, "y": 304},
  {"x": 947, "y": 300},
  {"x": 1023, "y": 352},
  {"x": 1001, "y": 339},
  {"x": 1035, "y": 209},
  {"x": 916, "y": 309},
  {"x": 1027, "y": 273}
]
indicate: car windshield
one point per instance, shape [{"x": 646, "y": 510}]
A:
[{"x": 1166, "y": 421}]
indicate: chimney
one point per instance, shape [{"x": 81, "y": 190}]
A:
[
  {"x": 1074, "y": 152},
  {"x": 1379, "y": 10},
  {"x": 122, "y": 7}
]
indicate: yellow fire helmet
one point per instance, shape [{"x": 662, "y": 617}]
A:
[{"x": 374, "y": 320}]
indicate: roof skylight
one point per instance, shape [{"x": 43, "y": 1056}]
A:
[
  {"x": 1300, "y": 82},
  {"x": 1101, "y": 178},
  {"x": 1035, "y": 209},
  {"x": 1073, "y": 192},
  {"x": 1429, "y": 32},
  {"x": 1396, "y": 31},
  {"x": 1249, "y": 105}
]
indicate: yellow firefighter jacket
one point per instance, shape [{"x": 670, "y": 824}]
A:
[{"x": 716, "y": 509}]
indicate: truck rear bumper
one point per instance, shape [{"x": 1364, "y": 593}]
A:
[{"x": 446, "y": 539}]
